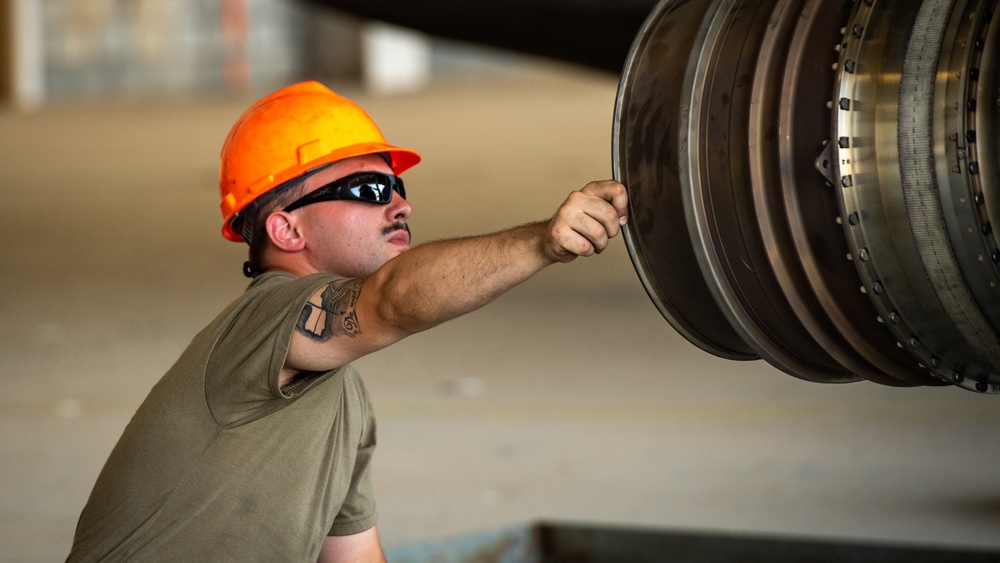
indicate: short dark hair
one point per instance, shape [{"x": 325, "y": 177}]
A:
[{"x": 251, "y": 222}]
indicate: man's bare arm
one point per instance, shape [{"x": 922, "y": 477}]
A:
[
  {"x": 363, "y": 547},
  {"x": 438, "y": 281}
]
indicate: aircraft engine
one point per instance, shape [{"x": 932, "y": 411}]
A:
[{"x": 815, "y": 182}]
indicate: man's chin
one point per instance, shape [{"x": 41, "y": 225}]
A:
[{"x": 395, "y": 251}]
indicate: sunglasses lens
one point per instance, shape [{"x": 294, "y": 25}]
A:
[
  {"x": 371, "y": 187},
  {"x": 378, "y": 189},
  {"x": 374, "y": 192}
]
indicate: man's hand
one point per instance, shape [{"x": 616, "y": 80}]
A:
[{"x": 586, "y": 221}]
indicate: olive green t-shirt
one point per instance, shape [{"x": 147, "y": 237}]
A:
[{"x": 220, "y": 464}]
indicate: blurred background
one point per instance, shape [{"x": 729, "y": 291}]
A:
[{"x": 569, "y": 399}]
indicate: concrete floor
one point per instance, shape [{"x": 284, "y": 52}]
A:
[{"x": 569, "y": 399}]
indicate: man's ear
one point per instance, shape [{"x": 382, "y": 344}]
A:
[{"x": 284, "y": 232}]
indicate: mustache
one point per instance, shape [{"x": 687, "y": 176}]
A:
[{"x": 401, "y": 226}]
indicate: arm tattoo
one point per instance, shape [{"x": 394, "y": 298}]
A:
[{"x": 335, "y": 315}]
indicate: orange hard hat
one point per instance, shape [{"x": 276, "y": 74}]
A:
[{"x": 290, "y": 132}]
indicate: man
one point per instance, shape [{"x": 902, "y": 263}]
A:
[{"x": 256, "y": 445}]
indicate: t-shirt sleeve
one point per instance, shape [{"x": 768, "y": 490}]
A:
[
  {"x": 358, "y": 512},
  {"x": 241, "y": 382}
]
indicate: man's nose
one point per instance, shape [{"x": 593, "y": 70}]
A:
[{"x": 399, "y": 208}]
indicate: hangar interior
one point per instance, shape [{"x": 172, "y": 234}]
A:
[{"x": 569, "y": 399}]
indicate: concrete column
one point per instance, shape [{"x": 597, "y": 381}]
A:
[
  {"x": 22, "y": 71},
  {"x": 6, "y": 53}
]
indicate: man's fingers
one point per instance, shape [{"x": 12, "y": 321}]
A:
[
  {"x": 589, "y": 214},
  {"x": 612, "y": 192},
  {"x": 588, "y": 220},
  {"x": 584, "y": 225}
]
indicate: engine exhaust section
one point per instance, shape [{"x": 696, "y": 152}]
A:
[{"x": 815, "y": 183}]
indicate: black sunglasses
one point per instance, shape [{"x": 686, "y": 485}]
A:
[{"x": 370, "y": 187}]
